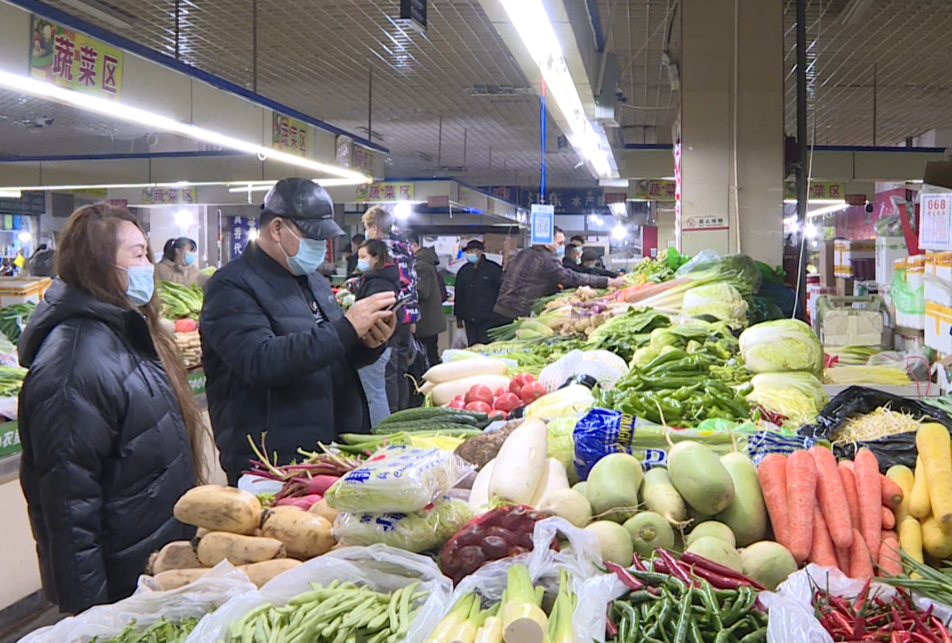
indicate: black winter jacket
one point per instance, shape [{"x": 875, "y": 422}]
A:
[
  {"x": 271, "y": 366},
  {"x": 105, "y": 452},
  {"x": 432, "y": 321},
  {"x": 387, "y": 279},
  {"x": 477, "y": 287}
]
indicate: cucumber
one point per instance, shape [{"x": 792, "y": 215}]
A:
[
  {"x": 416, "y": 415},
  {"x": 430, "y": 425}
]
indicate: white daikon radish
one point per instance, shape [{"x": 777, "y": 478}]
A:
[
  {"x": 520, "y": 464},
  {"x": 555, "y": 479},
  {"x": 426, "y": 388},
  {"x": 479, "y": 494},
  {"x": 445, "y": 392},
  {"x": 450, "y": 371}
]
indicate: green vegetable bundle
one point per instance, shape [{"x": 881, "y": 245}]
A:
[
  {"x": 14, "y": 318},
  {"x": 11, "y": 380},
  {"x": 339, "y": 613},
  {"x": 180, "y": 302},
  {"x": 162, "y": 632},
  {"x": 624, "y": 334}
]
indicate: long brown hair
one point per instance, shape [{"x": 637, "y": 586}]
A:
[{"x": 86, "y": 259}]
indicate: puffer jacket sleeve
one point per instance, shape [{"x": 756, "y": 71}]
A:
[
  {"x": 77, "y": 433},
  {"x": 236, "y": 327},
  {"x": 562, "y": 275}
]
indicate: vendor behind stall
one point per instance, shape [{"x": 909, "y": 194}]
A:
[
  {"x": 180, "y": 263},
  {"x": 477, "y": 287}
]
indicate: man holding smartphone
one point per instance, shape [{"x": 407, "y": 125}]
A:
[{"x": 279, "y": 354}]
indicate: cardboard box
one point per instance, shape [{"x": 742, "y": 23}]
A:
[
  {"x": 844, "y": 287},
  {"x": 888, "y": 249},
  {"x": 826, "y": 267}
]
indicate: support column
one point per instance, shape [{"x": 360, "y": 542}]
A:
[{"x": 732, "y": 125}]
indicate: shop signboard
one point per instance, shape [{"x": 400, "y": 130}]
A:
[
  {"x": 656, "y": 190},
  {"x": 463, "y": 197},
  {"x": 542, "y": 229},
  {"x": 505, "y": 192},
  {"x": 170, "y": 196},
  {"x": 389, "y": 191},
  {"x": 31, "y": 203},
  {"x": 704, "y": 223},
  {"x": 9, "y": 438},
  {"x": 936, "y": 215},
  {"x": 818, "y": 190},
  {"x": 571, "y": 200},
  {"x": 363, "y": 159},
  {"x": 241, "y": 233},
  {"x": 288, "y": 134},
  {"x": 196, "y": 380},
  {"x": 73, "y": 60}
]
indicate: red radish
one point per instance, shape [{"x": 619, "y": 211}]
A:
[
  {"x": 457, "y": 404},
  {"x": 320, "y": 484},
  {"x": 507, "y": 402},
  {"x": 801, "y": 499},
  {"x": 303, "y": 502},
  {"x": 832, "y": 498},
  {"x": 497, "y": 414},
  {"x": 479, "y": 393},
  {"x": 479, "y": 407},
  {"x": 532, "y": 392},
  {"x": 772, "y": 474}
]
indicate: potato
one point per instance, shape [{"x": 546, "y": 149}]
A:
[
  {"x": 284, "y": 508},
  {"x": 304, "y": 534},
  {"x": 237, "y": 550},
  {"x": 175, "y": 578},
  {"x": 218, "y": 508},
  {"x": 261, "y": 573},
  {"x": 175, "y": 555},
  {"x": 321, "y": 508}
]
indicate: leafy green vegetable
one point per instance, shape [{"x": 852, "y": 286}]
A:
[
  {"x": 781, "y": 346},
  {"x": 624, "y": 334},
  {"x": 180, "y": 302},
  {"x": 14, "y": 318},
  {"x": 718, "y": 300},
  {"x": 795, "y": 396}
]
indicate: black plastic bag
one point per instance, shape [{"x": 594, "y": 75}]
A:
[{"x": 890, "y": 450}]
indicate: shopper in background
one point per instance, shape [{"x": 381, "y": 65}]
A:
[
  {"x": 279, "y": 354},
  {"x": 477, "y": 287},
  {"x": 572, "y": 258},
  {"x": 378, "y": 273},
  {"x": 536, "y": 272},
  {"x": 355, "y": 242},
  {"x": 432, "y": 321},
  {"x": 578, "y": 241},
  {"x": 110, "y": 430},
  {"x": 378, "y": 223},
  {"x": 180, "y": 263},
  {"x": 590, "y": 265},
  {"x": 42, "y": 263}
]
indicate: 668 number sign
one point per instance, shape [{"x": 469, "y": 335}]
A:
[{"x": 935, "y": 229}]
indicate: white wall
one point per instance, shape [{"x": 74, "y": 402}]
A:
[{"x": 21, "y": 573}]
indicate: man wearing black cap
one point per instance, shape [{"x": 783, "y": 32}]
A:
[
  {"x": 590, "y": 265},
  {"x": 477, "y": 287},
  {"x": 280, "y": 356}
]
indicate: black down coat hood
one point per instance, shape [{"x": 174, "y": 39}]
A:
[{"x": 105, "y": 451}]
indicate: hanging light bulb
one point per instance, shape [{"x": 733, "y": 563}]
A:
[{"x": 619, "y": 232}]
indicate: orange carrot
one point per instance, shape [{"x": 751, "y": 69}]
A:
[
  {"x": 848, "y": 464},
  {"x": 890, "y": 562},
  {"x": 843, "y": 560},
  {"x": 772, "y": 474},
  {"x": 892, "y": 492},
  {"x": 822, "y": 552},
  {"x": 886, "y": 535},
  {"x": 801, "y": 500},
  {"x": 849, "y": 491},
  {"x": 832, "y": 497},
  {"x": 861, "y": 565},
  {"x": 889, "y": 519},
  {"x": 869, "y": 491}
]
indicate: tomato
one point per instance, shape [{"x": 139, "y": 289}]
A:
[
  {"x": 479, "y": 393},
  {"x": 497, "y": 414},
  {"x": 502, "y": 390},
  {"x": 532, "y": 392},
  {"x": 519, "y": 381},
  {"x": 457, "y": 404},
  {"x": 507, "y": 402},
  {"x": 479, "y": 407}
]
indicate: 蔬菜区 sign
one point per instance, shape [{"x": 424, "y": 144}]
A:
[
  {"x": 384, "y": 192},
  {"x": 74, "y": 60},
  {"x": 288, "y": 134},
  {"x": 542, "y": 225},
  {"x": 656, "y": 190},
  {"x": 818, "y": 190},
  {"x": 169, "y": 195}
]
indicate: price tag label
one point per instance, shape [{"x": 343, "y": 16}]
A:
[{"x": 936, "y": 218}]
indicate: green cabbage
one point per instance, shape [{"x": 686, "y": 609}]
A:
[
  {"x": 796, "y": 396},
  {"x": 781, "y": 346},
  {"x": 718, "y": 300}
]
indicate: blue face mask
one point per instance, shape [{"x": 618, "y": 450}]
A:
[
  {"x": 190, "y": 258},
  {"x": 560, "y": 251},
  {"x": 141, "y": 284},
  {"x": 472, "y": 258},
  {"x": 310, "y": 255},
  {"x": 363, "y": 265}
]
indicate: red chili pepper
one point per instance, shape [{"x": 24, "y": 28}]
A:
[
  {"x": 841, "y": 621},
  {"x": 693, "y": 559},
  {"x": 624, "y": 576},
  {"x": 638, "y": 564},
  {"x": 610, "y": 628},
  {"x": 919, "y": 637},
  {"x": 939, "y": 627},
  {"x": 718, "y": 581},
  {"x": 675, "y": 568}
]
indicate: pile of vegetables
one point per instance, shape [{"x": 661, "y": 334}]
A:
[
  {"x": 14, "y": 318},
  {"x": 11, "y": 380},
  {"x": 180, "y": 302},
  {"x": 521, "y": 391},
  {"x": 341, "y": 612},
  {"x": 162, "y": 632}
]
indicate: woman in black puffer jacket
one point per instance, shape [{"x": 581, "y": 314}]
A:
[{"x": 107, "y": 421}]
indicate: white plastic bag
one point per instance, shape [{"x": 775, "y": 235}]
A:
[
  {"x": 593, "y": 588},
  {"x": 459, "y": 341},
  {"x": 147, "y": 607},
  {"x": 379, "y": 567},
  {"x": 414, "y": 532},
  {"x": 401, "y": 479},
  {"x": 791, "y": 610}
]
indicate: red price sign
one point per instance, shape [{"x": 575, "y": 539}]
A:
[{"x": 935, "y": 232}]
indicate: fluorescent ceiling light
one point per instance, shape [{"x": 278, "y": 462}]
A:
[
  {"x": 11, "y": 193},
  {"x": 817, "y": 201},
  {"x": 619, "y": 232},
  {"x": 100, "y": 11},
  {"x": 830, "y": 209},
  {"x": 613, "y": 183},
  {"x": 854, "y": 12},
  {"x": 256, "y": 186},
  {"x": 809, "y": 230},
  {"x": 264, "y": 186},
  {"x": 618, "y": 209},
  {"x": 402, "y": 210},
  {"x": 26, "y": 85}
]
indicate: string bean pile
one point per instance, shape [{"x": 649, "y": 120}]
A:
[{"x": 162, "y": 632}]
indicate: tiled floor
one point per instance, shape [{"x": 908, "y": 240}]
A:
[{"x": 46, "y": 616}]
